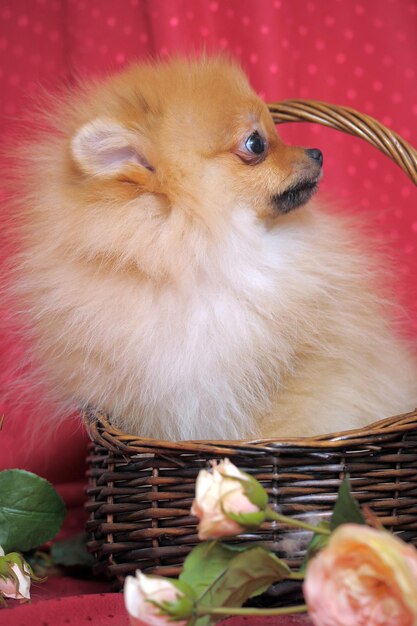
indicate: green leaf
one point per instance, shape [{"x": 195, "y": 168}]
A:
[
  {"x": 72, "y": 551},
  {"x": 225, "y": 575},
  {"x": 249, "y": 574},
  {"x": 31, "y": 511},
  {"x": 346, "y": 509},
  {"x": 205, "y": 563}
]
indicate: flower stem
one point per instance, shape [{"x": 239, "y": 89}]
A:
[
  {"x": 291, "y": 521},
  {"x": 224, "y": 610}
]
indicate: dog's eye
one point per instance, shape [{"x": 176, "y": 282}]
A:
[{"x": 255, "y": 143}]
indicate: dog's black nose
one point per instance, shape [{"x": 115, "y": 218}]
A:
[{"x": 316, "y": 154}]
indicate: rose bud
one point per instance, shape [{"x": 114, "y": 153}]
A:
[
  {"x": 157, "y": 601},
  {"x": 15, "y": 576},
  {"x": 363, "y": 577},
  {"x": 228, "y": 501}
]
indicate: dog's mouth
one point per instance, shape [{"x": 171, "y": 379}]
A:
[{"x": 295, "y": 195}]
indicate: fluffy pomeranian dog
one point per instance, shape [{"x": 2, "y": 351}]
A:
[{"x": 176, "y": 275}]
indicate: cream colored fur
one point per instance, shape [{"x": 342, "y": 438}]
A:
[{"x": 166, "y": 291}]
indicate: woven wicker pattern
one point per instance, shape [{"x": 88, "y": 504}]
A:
[{"x": 140, "y": 490}]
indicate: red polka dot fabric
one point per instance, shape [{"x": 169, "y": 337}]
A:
[
  {"x": 359, "y": 53},
  {"x": 108, "y": 610}
]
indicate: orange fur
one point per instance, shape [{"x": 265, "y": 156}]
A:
[{"x": 164, "y": 284}]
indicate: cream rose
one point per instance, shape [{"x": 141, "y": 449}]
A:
[
  {"x": 15, "y": 576},
  {"x": 141, "y": 592},
  {"x": 227, "y": 501},
  {"x": 363, "y": 577}
]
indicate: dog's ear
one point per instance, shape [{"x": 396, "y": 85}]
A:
[{"x": 104, "y": 147}]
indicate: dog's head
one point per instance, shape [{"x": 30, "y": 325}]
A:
[
  {"x": 184, "y": 129},
  {"x": 163, "y": 146}
]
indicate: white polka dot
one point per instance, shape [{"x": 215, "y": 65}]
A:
[
  {"x": 22, "y": 21},
  {"x": 14, "y": 79}
]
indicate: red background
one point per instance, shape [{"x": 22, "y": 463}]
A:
[{"x": 359, "y": 53}]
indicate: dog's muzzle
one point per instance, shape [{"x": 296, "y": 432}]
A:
[
  {"x": 300, "y": 191},
  {"x": 296, "y": 195}
]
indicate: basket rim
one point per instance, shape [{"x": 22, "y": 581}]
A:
[
  {"x": 102, "y": 431},
  {"x": 352, "y": 122}
]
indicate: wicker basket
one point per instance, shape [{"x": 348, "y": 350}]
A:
[{"x": 140, "y": 490}]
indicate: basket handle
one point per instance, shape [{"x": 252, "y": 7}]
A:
[{"x": 351, "y": 122}]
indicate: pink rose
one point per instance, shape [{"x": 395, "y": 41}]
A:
[
  {"x": 363, "y": 577},
  {"x": 15, "y": 576},
  {"x": 141, "y": 592},
  {"x": 227, "y": 501}
]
